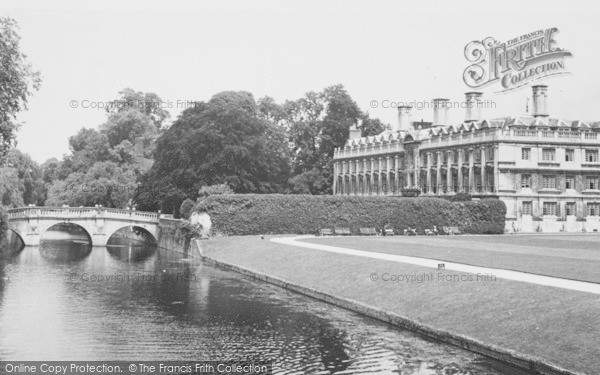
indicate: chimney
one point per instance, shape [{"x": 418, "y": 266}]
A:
[
  {"x": 403, "y": 119},
  {"x": 540, "y": 108},
  {"x": 440, "y": 112},
  {"x": 473, "y": 106}
]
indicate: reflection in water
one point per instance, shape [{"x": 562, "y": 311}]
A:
[
  {"x": 128, "y": 250},
  {"x": 12, "y": 245},
  {"x": 166, "y": 306},
  {"x": 131, "y": 244},
  {"x": 61, "y": 251},
  {"x": 65, "y": 243}
]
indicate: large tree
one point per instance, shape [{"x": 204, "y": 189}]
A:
[
  {"x": 109, "y": 149},
  {"x": 317, "y": 124},
  {"x": 228, "y": 140},
  {"x": 17, "y": 81}
]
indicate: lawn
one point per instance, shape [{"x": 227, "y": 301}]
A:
[
  {"x": 574, "y": 257},
  {"x": 557, "y": 326}
]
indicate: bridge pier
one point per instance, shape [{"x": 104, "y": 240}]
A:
[
  {"x": 32, "y": 239},
  {"x": 99, "y": 239}
]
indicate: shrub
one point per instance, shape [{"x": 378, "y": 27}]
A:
[
  {"x": 185, "y": 210},
  {"x": 190, "y": 230},
  {"x": 246, "y": 214}
]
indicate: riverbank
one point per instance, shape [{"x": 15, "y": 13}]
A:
[{"x": 543, "y": 329}]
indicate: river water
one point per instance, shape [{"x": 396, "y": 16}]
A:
[{"x": 66, "y": 300}]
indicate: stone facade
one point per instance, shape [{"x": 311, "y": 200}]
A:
[{"x": 546, "y": 170}]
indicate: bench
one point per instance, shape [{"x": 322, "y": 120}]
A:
[
  {"x": 451, "y": 230},
  {"x": 342, "y": 231},
  {"x": 326, "y": 232},
  {"x": 367, "y": 231},
  {"x": 388, "y": 231}
]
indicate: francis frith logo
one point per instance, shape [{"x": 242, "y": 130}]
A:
[{"x": 516, "y": 62}]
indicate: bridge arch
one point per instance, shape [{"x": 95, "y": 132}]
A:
[
  {"x": 83, "y": 229},
  {"x": 16, "y": 233},
  {"x": 144, "y": 232},
  {"x": 131, "y": 251},
  {"x": 15, "y": 243}
]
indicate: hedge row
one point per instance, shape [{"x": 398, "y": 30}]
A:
[{"x": 244, "y": 214}]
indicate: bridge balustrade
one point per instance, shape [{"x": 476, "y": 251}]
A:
[{"x": 81, "y": 212}]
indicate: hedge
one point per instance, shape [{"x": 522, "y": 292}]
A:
[{"x": 246, "y": 214}]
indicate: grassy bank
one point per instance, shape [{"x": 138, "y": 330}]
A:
[
  {"x": 553, "y": 325},
  {"x": 572, "y": 257}
]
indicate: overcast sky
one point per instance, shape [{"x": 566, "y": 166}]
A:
[{"x": 190, "y": 50}]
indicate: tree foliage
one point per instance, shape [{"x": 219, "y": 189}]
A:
[
  {"x": 220, "y": 189},
  {"x": 17, "y": 82},
  {"x": 371, "y": 126},
  {"x": 224, "y": 141},
  {"x": 127, "y": 125},
  {"x": 105, "y": 183},
  {"x": 29, "y": 174},
  {"x": 3, "y": 229},
  {"x": 229, "y": 144},
  {"x": 102, "y": 167},
  {"x": 185, "y": 210},
  {"x": 148, "y": 104},
  {"x": 21, "y": 180},
  {"x": 318, "y": 123},
  {"x": 11, "y": 189}
]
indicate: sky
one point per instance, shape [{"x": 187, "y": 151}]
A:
[{"x": 381, "y": 51}]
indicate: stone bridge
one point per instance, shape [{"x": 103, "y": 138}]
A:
[{"x": 30, "y": 223}]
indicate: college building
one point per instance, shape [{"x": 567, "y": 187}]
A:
[{"x": 545, "y": 169}]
